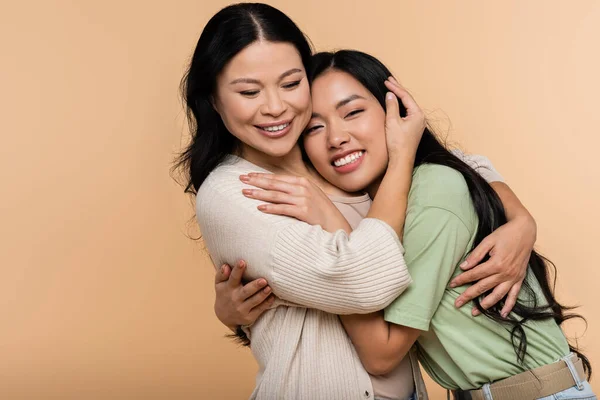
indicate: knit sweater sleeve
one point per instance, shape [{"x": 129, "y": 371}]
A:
[
  {"x": 335, "y": 272},
  {"x": 481, "y": 164}
]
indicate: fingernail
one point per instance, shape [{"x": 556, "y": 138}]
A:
[
  {"x": 452, "y": 285},
  {"x": 267, "y": 290},
  {"x": 222, "y": 269},
  {"x": 504, "y": 314},
  {"x": 463, "y": 264},
  {"x": 247, "y": 192},
  {"x": 389, "y": 96},
  {"x": 262, "y": 282},
  {"x": 459, "y": 303},
  {"x": 242, "y": 264},
  {"x": 475, "y": 312},
  {"x": 262, "y": 207},
  {"x": 244, "y": 178}
]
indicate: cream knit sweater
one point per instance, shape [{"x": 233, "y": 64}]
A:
[{"x": 300, "y": 345}]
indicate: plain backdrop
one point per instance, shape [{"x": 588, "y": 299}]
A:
[{"x": 103, "y": 295}]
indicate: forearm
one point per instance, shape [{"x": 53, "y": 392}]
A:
[
  {"x": 512, "y": 205},
  {"x": 381, "y": 346},
  {"x": 390, "y": 202}
]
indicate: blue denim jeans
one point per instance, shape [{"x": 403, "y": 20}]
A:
[
  {"x": 412, "y": 397},
  {"x": 584, "y": 392}
]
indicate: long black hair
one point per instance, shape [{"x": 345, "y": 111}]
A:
[
  {"x": 371, "y": 73},
  {"x": 227, "y": 33}
]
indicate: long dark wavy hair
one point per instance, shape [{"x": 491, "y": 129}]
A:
[
  {"x": 227, "y": 33},
  {"x": 371, "y": 73}
]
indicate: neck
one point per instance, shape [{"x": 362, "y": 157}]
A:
[{"x": 290, "y": 164}]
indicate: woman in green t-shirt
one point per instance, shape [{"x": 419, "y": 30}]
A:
[{"x": 451, "y": 209}]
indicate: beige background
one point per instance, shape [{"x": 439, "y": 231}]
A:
[{"x": 102, "y": 296}]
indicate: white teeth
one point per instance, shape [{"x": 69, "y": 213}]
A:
[
  {"x": 348, "y": 159},
  {"x": 276, "y": 128}
]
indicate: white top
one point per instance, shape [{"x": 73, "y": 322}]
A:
[{"x": 300, "y": 345}]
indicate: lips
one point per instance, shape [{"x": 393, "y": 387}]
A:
[
  {"x": 275, "y": 129},
  {"x": 349, "y": 161},
  {"x": 347, "y": 157}
]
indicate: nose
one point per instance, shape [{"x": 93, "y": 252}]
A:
[
  {"x": 274, "y": 104},
  {"x": 336, "y": 137}
]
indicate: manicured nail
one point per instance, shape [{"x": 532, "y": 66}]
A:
[
  {"x": 244, "y": 178},
  {"x": 463, "y": 264},
  {"x": 459, "y": 303}
]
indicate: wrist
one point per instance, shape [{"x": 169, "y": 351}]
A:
[{"x": 527, "y": 223}]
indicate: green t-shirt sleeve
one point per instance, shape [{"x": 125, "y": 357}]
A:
[{"x": 435, "y": 240}]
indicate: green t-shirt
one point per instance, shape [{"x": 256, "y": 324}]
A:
[{"x": 457, "y": 350}]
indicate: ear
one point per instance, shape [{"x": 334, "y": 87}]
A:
[{"x": 213, "y": 103}]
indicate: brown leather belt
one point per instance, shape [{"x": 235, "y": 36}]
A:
[{"x": 530, "y": 385}]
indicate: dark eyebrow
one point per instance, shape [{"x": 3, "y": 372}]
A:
[
  {"x": 250, "y": 80},
  {"x": 347, "y": 100}
]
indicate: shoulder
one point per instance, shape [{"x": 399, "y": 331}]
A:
[{"x": 441, "y": 187}]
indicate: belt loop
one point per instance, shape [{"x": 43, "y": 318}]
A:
[
  {"x": 487, "y": 393},
  {"x": 569, "y": 361}
]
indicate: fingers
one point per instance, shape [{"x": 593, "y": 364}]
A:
[
  {"x": 237, "y": 273},
  {"x": 409, "y": 102},
  {"x": 265, "y": 181},
  {"x": 222, "y": 274},
  {"x": 481, "y": 271},
  {"x": 392, "y": 108},
  {"x": 476, "y": 290},
  {"x": 493, "y": 298},
  {"x": 478, "y": 253},
  {"x": 264, "y": 306},
  {"x": 511, "y": 299},
  {"x": 270, "y": 196},
  {"x": 289, "y": 210},
  {"x": 252, "y": 288},
  {"x": 257, "y": 297}
]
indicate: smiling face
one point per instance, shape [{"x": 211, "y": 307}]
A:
[
  {"x": 345, "y": 138},
  {"x": 263, "y": 98}
]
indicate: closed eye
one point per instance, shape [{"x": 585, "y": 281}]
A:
[
  {"x": 292, "y": 85},
  {"x": 312, "y": 129},
  {"x": 353, "y": 113},
  {"x": 249, "y": 93}
]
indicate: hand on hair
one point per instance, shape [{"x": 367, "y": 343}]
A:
[
  {"x": 509, "y": 248},
  {"x": 403, "y": 134},
  {"x": 237, "y": 304}
]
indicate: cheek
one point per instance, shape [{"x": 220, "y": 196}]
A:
[
  {"x": 300, "y": 99},
  {"x": 317, "y": 151},
  {"x": 238, "y": 110}
]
